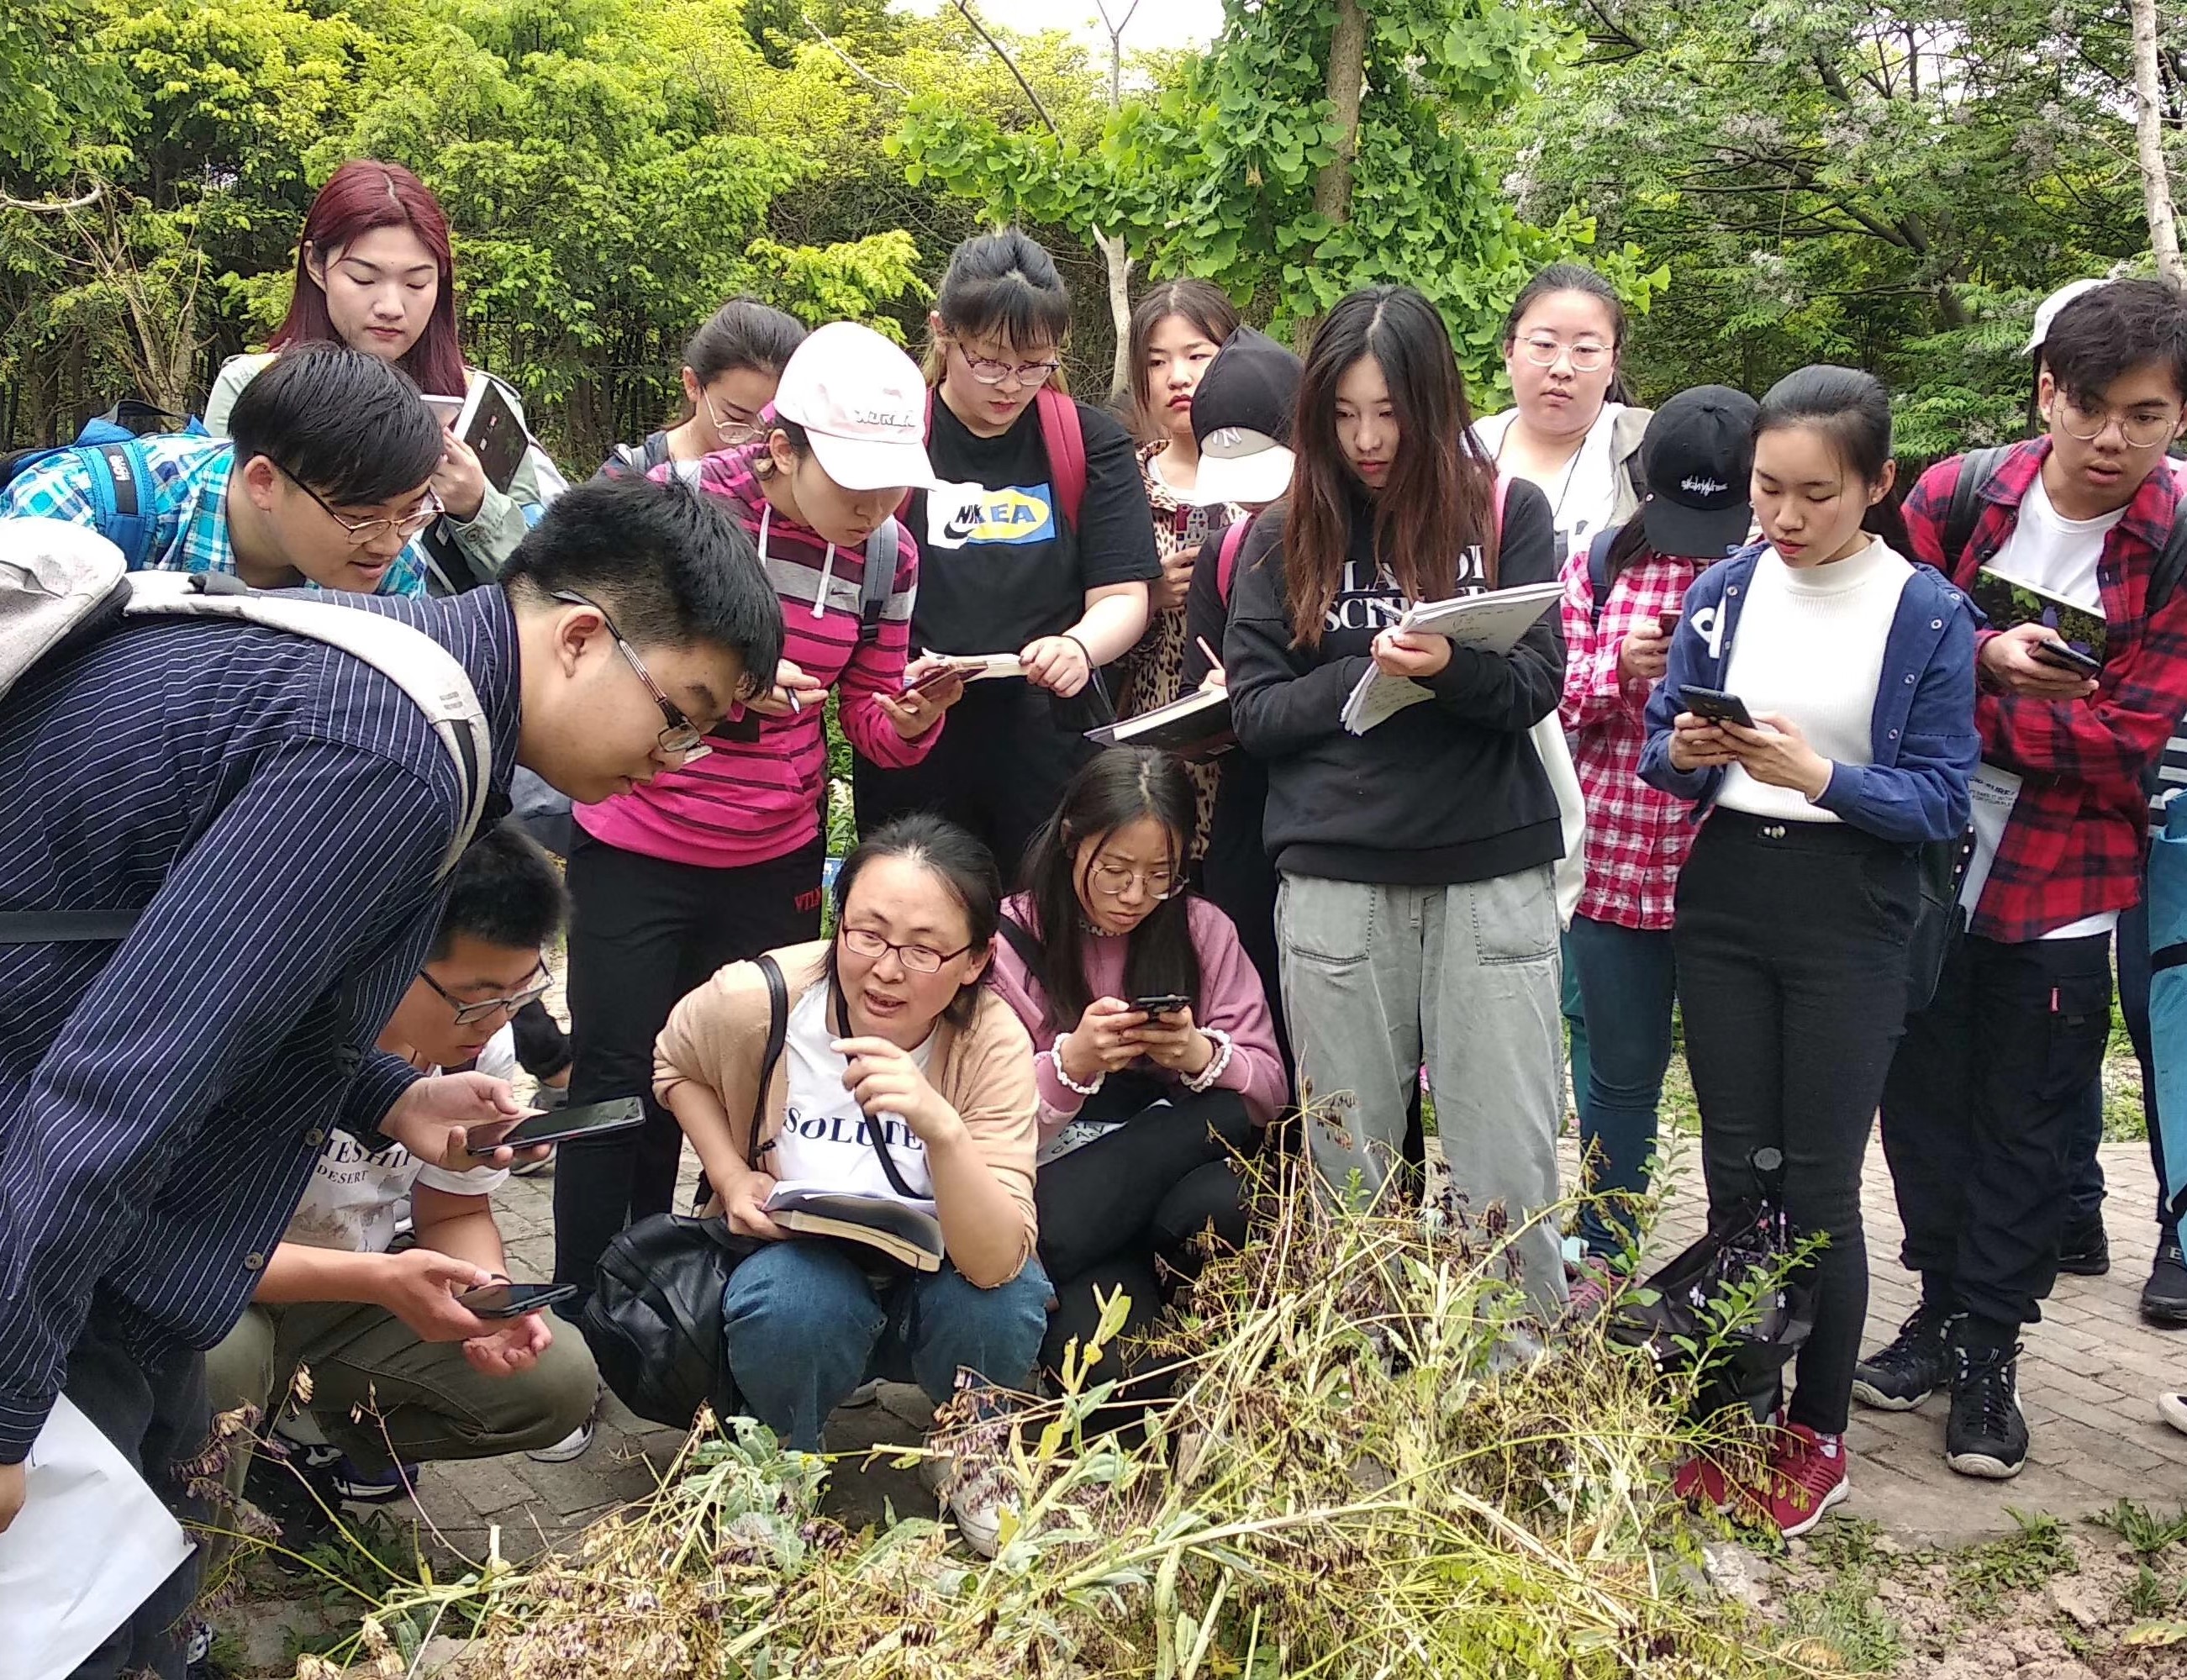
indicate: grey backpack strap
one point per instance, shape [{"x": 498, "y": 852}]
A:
[
  {"x": 881, "y": 549},
  {"x": 413, "y": 661}
]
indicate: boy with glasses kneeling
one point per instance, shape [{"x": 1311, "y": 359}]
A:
[{"x": 402, "y": 1371}]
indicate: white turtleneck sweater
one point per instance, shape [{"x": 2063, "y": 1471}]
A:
[{"x": 1810, "y": 647}]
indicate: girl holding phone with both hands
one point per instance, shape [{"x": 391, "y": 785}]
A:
[
  {"x": 1156, "y": 1055},
  {"x": 1801, "y": 889}
]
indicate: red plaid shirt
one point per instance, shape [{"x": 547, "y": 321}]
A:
[
  {"x": 2073, "y": 846},
  {"x": 1637, "y": 837}
]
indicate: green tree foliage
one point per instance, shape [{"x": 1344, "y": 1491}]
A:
[
  {"x": 612, "y": 170},
  {"x": 1893, "y": 185},
  {"x": 1217, "y": 175}
]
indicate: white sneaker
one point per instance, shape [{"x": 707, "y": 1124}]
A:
[
  {"x": 977, "y": 1497},
  {"x": 2173, "y": 1408},
  {"x": 570, "y": 1445}
]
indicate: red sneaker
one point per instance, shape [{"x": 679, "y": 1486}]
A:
[
  {"x": 1700, "y": 1480},
  {"x": 1805, "y": 1476}
]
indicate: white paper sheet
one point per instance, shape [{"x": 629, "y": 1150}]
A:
[
  {"x": 1492, "y": 622},
  {"x": 1993, "y": 793},
  {"x": 89, "y": 1546}
]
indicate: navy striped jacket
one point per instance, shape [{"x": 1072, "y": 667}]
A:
[{"x": 278, "y": 811}]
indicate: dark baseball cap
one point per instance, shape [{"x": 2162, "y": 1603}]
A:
[
  {"x": 1698, "y": 460},
  {"x": 1241, "y": 416}
]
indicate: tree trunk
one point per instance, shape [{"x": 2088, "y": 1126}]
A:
[
  {"x": 1118, "y": 258},
  {"x": 2148, "y": 144},
  {"x": 1346, "y": 85}
]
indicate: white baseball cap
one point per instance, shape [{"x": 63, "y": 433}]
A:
[
  {"x": 2047, "y": 310},
  {"x": 862, "y": 402}
]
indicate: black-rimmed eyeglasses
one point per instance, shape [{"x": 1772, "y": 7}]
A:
[
  {"x": 681, "y": 740},
  {"x": 470, "y": 1014}
]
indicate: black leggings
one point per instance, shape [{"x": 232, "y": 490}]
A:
[
  {"x": 1791, "y": 943},
  {"x": 643, "y": 932},
  {"x": 1128, "y": 1211}
]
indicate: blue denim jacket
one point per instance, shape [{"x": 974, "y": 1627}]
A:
[{"x": 1922, "y": 736}]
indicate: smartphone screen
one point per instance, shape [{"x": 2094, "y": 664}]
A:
[
  {"x": 615, "y": 1115},
  {"x": 2064, "y": 657},
  {"x": 447, "y": 410},
  {"x": 514, "y": 1300},
  {"x": 1668, "y": 622}
]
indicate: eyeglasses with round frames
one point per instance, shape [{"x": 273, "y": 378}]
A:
[
  {"x": 920, "y": 959},
  {"x": 732, "y": 432},
  {"x": 1586, "y": 356},
  {"x": 470, "y": 1014},
  {"x": 681, "y": 740},
  {"x": 2140, "y": 431},
  {"x": 1115, "y": 880},
  {"x": 989, "y": 371},
  {"x": 361, "y": 532}
]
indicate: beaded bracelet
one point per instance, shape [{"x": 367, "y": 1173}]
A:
[
  {"x": 1055, "y": 1055},
  {"x": 1217, "y": 1065}
]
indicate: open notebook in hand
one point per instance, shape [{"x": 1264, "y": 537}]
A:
[
  {"x": 908, "y": 1232},
  {"x": 1492, "y": 622}
]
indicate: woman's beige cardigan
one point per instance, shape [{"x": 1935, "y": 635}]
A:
[{"x": 718, "y": 1034}]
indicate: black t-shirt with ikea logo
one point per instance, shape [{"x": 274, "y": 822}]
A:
[{"x": 999, "y": 564}]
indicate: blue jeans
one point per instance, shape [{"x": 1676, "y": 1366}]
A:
[
  {"x": 803, "y": 1325},
  {"x": 1627, "y": 980},
  {"x": 1574, "y": 1010},
  {"x": 2084, "y": 1172}
]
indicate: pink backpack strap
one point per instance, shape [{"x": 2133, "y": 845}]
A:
[
  {"x": 1064, "y": 440},
  {"x": 1226, "y": 557},
  {"x": 1503, "y": 484}
]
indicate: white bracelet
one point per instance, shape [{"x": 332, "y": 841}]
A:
[
  {"x": 1217, "y": 1065},
  {"x": 1055, "y": 1055}
]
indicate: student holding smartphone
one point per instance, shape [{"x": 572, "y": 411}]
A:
[
  {"x": 1795, "y": 907},
  {"x": 721, "y": 859},
  {"x": 1156, "y": 1059},
  {"x": 396, "y": 1331},
  {"x": 1624, "y": 592}
]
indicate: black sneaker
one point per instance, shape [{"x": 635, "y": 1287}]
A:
[
  {"x": 2085, "y": 1250},
  {"x": 1900, "y": 1376},
  {"x": 1986, "y": 1435},
  {"x": 2164, "y": 1296}
]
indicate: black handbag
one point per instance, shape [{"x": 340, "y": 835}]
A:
[
  {"x": 1674, "y": 1314},
  {"x": 1938, "y": 919},
  {"x": 654, "y": 1318}
]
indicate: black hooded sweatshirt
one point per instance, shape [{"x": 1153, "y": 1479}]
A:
[{"x": 1447, "y": 791}]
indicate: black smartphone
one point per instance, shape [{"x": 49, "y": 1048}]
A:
[
  {"x": 1162, "y": 1003},
  {"x": 2064, "y": 657},
  {"x": 619, "y": 1115},
  {"x": 514, "y": 1300},
  {"x": 1715, "y": 706}
]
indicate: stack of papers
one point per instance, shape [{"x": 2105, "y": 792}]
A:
[{"x": 1491, "y": 623}]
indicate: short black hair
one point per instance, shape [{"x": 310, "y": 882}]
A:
[
  {"x": 347, "y": 425},
  {"x": 671, "y": 566},
  {"x": 504, "y": 891},
  {"x": 2113, "y": 329}
]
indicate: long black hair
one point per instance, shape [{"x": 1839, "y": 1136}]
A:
[
  {"x": 1110, "y": 792},
  {"x": 1441, "y": 497},
  {"x": 959, "y": 862},
  {"x": 1850, "y": 406}
]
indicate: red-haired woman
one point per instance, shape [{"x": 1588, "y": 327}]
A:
[{"x": 374, "y": 269}]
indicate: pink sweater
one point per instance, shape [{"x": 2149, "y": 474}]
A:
[
  {"x": 1230, "y": 1001},
  {"x": 753, "y": 801}
]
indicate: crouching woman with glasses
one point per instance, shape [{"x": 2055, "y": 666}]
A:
[
  {"x": 888, "y": 1020},
  {"x": 1158, "y": 1055}
]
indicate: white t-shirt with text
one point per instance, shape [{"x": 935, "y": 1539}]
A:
[
  {"x": 824, "y": 1144},
  {"x": 356, "y": 1194}
]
